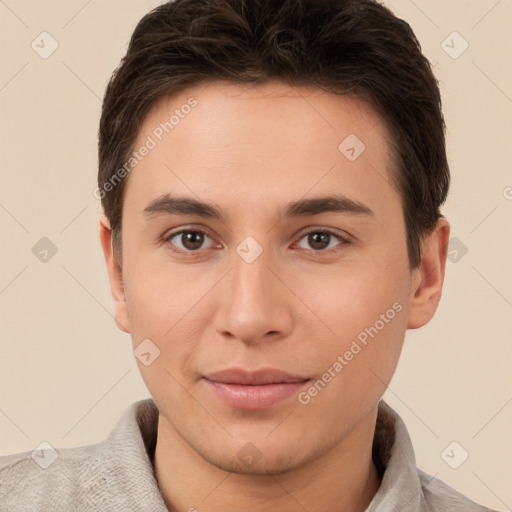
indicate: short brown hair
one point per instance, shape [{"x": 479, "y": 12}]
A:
[{"x": 356, "y": 47}]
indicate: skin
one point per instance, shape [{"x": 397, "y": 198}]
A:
[{"x": 250, "y": 150}]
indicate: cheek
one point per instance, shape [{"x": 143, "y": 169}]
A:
[
  {"x": 156, "y": 295},
  {"x": 170, "y": 306},
  {"x": 354, "y": 365},
  {"x": 160, "y": 304},
  {"x": 365, "y": 309},
  {"x": 354, "y": 298}
]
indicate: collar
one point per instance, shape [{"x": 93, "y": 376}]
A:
[{"x": 393, "y": 454}]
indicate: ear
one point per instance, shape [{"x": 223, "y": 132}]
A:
[
  {"x": 427, "y": 279},
  {"x": 115, "y": 276}
]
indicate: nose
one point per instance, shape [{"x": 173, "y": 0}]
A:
[{"x": 255, "y": 305}]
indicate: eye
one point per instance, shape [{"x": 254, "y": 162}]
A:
[
  {"x": 191, "y": 240},
  {"x": 321, "y": 240}
]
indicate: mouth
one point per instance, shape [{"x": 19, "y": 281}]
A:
[{"x": 259, "y": 389}]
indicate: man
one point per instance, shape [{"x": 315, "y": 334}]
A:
[{"x": 271, "y": 174}]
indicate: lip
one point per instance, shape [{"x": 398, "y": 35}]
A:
[{"x": 258, "y": 389}]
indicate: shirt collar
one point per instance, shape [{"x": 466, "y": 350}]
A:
[
  {"x": 400, "y": 488},
  {"x": 125, "y": 460}
]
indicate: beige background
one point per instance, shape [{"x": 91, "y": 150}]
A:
[{"x": 66, "y": 372}]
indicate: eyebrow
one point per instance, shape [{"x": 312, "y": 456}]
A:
[{"x": 172, "y": 205}]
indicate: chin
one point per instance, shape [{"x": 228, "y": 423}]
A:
[
  {"x": 249, "y": 460},
  {"x": 262, "y": 467}
]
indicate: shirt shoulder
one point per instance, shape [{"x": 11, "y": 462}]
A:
[
  {"x": 115, "y": 474},
  {"x": 49, "y": 479},
  {"x": 438, "y": 496},
  {"x": 404, "y": 487}
]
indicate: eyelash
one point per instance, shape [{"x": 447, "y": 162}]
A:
[{"x": 342, "y": 240}]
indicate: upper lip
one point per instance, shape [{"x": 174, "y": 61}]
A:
[{"x": 253, "y": 378}]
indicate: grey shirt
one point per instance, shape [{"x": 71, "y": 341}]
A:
[{"x": 117, "y": 474}]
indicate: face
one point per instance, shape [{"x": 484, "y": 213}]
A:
[{"x": 264, "y": 256}]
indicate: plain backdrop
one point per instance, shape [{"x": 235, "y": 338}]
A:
[{"x": 67, "y": 373}]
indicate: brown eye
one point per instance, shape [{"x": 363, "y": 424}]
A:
[
  {"x": 187, "y": 241},
  {"x": 192, "y": 240},
  {"x": 321, "y": 240}
]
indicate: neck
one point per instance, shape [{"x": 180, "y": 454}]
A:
[{"x": 344, "y": 478}]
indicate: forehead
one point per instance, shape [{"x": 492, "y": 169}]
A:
[
  {"x": 259, "y": 139},
  {"x": 226, "y": 105}
]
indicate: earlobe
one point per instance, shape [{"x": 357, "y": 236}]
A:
[
  {"x": 427, "y": 279},
  {"x": 115, "y": 276}
]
